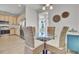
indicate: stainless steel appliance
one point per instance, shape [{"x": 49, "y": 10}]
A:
[{"x": 4, "y": 27}]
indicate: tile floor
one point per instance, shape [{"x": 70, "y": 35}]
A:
[{"x": 11, "y": 45}]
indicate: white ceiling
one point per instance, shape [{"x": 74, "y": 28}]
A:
[
  {"x": 39, "y": 6},
  {"x": 14, "y": 9},
  {"x": 34, "y": 6}
]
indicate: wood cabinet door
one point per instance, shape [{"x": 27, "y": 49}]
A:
[
  {"x": 10, "y": 20},
  {"x": 14, "y": 20},
  {"x": 12, "y": 31},
  {"x": 1, "y": 18},
  {"x": 6, "y": 18}
]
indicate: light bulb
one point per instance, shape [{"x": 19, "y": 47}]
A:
[
  {"x": 51, "y": 7},
  {"x": 43, "y": 8}
]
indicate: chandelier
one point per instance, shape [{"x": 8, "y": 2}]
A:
[{"x": 47, "y": 7}]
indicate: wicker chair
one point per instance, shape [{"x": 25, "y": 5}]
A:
[
  {"x": 32, "y": 46},
  {"x": 61, "y": 48}
]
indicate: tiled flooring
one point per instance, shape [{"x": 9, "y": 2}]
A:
[{"x": 11, "y": 45}]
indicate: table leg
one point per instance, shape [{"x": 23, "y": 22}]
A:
[{"x": 45, "y": 50}]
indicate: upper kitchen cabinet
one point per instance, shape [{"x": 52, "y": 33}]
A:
[
  {"x": 12, "y": 20},
  {"x": 1, "y": 17},
  {"x": 15, "y": 20},
  {"x": 6, "y": 18}
]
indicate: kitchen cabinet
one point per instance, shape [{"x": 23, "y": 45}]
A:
[
  {"x": 12, "y": 20},
  {"x": 6, "y": 18},
  {"x": 4, "y": 32},
  {"x": 1, "y": 17},
  {"x": 12, "y": 31}
]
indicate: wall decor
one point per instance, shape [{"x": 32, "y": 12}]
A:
[
  {"x": 65, "y": 14},
  {"x": 56, "y": 18}
]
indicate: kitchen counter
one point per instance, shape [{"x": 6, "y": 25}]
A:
[{"x": 73, "y": 33}]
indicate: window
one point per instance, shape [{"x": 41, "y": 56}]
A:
[{"x": 43, "y": 23}]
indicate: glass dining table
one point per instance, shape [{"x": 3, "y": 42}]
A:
[{"x": 44, "y": 39}]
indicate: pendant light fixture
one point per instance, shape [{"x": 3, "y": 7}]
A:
[
  {"x": 47, "y": 7},
  {"x": 43, "y": 8},
  {"x": 51, "y": 7}
]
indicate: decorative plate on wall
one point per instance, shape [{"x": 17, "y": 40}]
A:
[
  {"x": 65, "y": 14},
  {"x": 56, "y": 18}
]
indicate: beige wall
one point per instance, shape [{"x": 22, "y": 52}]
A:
[
  {"x": 72, "y": 21},
  {"x": 31, "y": 18}
]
